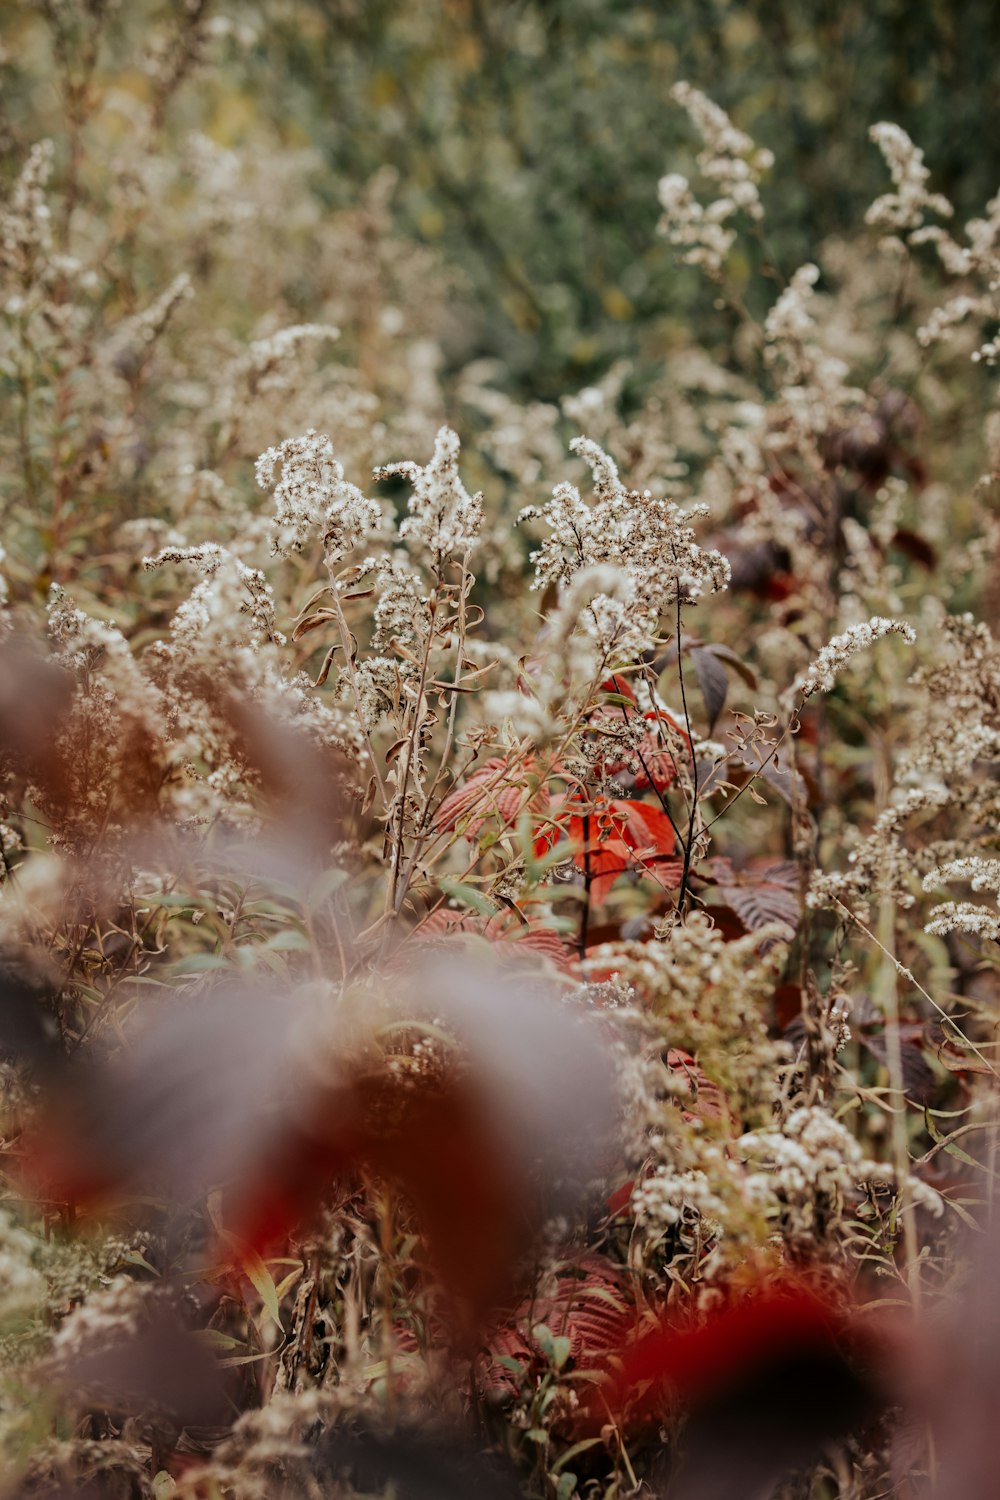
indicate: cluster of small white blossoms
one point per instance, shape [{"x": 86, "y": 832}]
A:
[
  {"x": 730, "y": 160},
  {"x": 25, "y": 224},
  {"x": 22, "y": 1287},
  {"x": 597, "y": 612},
  {"x": 965, "y": 916},
  {"x": 667, "y": 1196},
  {"x": 709, "y": 996},
  {"x": 262, "y": 366},
  {"x": 822, "y": 673},
  {"x": 379, "y": 683},
  {"x": 812, "y": 1154},
  {"x": 881, "y": 864},
  {"x": 230, "y": 589},
  {"x": 520, "y": 439},
  {"x": 401, "y": 611},
  {"x": 647, "y": 538},
  {"x": 906, "y": 207},
  {"x": 814, "y": 382},
  {"x": 815, "y": 1161},
  {"x": 107, "y": 1316},
  {"x": 135, "y": 334},
  {"x": 595, "y": 628},
  {"x": 958, "y": 309},
  {"x": 312, "y": 498},
  {"x": 443, "y": 517}
]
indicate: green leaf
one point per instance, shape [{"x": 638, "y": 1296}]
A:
[
  {"x": 561, "y": 1349},
  {"x": 290, "y": 940},
  {"x": 262, "y": 1282},
  {"x": 324, "y": 887},
  {"x": 571, "y": 1453},
  {"x": 198, "y": 963},
  {"x": 216, "y": 1339},
  {"x": 468, "y": 896},
  {"x": 556, "y": 1348}
]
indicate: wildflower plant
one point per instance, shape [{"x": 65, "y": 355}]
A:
[{"x": 470, "y": 930}]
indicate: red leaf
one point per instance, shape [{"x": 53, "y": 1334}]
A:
[
  {"x": 657, "y": 751},
  {"x": 515, "y": 942},
  {"x": 619, "y": 1200},
  {"x": 491, "y": 791},
  {"x": 758, "y": 1352},
  {"x": 708, "y": 1102},
  {"x": 622, "y": 836},
  {"x": 590, "y": 1306},
  {"x": 658, "y": 759},
  {"x": 767, "y": 893}
]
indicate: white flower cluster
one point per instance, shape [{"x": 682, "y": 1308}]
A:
[
  {"x": 813, "y": 381},
  {"x": 647, "y": 538},
  {"x": 663, "y": 1198},
  {"x": 258, "y": 367},
  {"x": 443, "y": 517},
  {"x": 114, "y": 1313},
  {"x": 146, "y": 326},
  {"x": 838, "y": 652},
  {"x": 978, "y": 258},
  {"x": 906, "y": 207},
  {"x": 25, "y": 224},
  {"x": 949, "y": 315},
  {"x": 790, "y": 320},
  {"x": 401, "y": 612},
  {"x": 709, "y": 996},
  {"x": 881, "y": 864},
  {"x": 733, "y": 163},
  {"x": 699, "y": 232},
  {"x": 379, "y": 682},
  {"x": 982, "y": 874},
  {"x": 21, "y": 1286},
  {"x": 730, "y": 158},
  {"x": 963, "y": 916},
  {"x": 313, "y": 497},
  {"x": 598, "y": 607},
  {"x": 211, "y": 614},
  {"x": 812, "y": 1156}
]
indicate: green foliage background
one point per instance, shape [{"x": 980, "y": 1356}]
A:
[{"x": 529, "y": 135}]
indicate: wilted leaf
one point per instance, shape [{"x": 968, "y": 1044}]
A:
[{"x": 712, "y": 680}]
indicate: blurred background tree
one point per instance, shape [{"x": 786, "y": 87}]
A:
[{"x": 528, "y": 136}]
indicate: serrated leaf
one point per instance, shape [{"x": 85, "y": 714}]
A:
[{"x": 759, "y": 902}]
